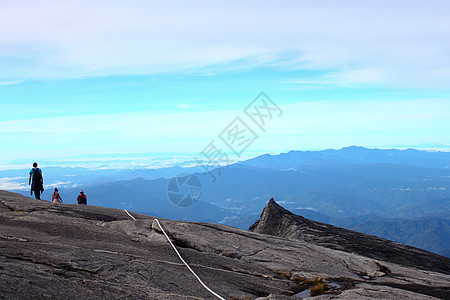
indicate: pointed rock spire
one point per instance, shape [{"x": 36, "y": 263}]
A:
[{"x": 274, "y": 218}]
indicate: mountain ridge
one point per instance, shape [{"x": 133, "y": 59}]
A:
[
  {"x": 278, "y": 221},
  {"x": 352, "y": 154}
]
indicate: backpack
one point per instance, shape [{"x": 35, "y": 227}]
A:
[
  {"x": 37, "y": 176},
  {"x": 82, "y": 199}
]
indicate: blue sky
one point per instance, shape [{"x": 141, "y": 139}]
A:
[{"x": 79, "y": 79}]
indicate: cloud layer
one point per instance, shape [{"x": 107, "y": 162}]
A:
[
  {"x": 317, "y": 124},
  {"x": 388, "y": 43}
]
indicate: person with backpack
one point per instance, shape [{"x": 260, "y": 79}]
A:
[
  {"x": 56, "y": 198},
  {"x": 82, "y": 199},
  {"x": 37, "y": 181}
]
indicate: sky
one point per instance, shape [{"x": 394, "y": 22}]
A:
[{"x": 96, "y": 81}]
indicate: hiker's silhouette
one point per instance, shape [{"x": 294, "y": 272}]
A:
[{"x": 36, "y": 181}]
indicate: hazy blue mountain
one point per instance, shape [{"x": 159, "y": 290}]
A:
[
  {"x": 241, "y": 222},
  {"x": 354, "y": 155},
  {"x": 437, "y": 208},
  {"x": 347, "y": 190},
  {"x": 431, "y": 234},
  {"x": 312, "y": 215}
]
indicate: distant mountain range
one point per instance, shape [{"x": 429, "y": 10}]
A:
[
  {"x": 352, "y": 155},
  {"x": 403, "y": 195}
]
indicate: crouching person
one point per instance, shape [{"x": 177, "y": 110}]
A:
[{"x": 82, "y": 199}]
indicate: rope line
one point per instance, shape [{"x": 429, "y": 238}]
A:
[
  {"x": 129, "y": 214},
  {"x": 181, "y": 258}
]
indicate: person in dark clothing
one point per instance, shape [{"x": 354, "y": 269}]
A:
[
  {"x": 36, "y": 181},
  {"x": 82, "y": 199}
]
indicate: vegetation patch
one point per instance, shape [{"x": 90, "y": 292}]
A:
[{"x": 317, "y": 286}]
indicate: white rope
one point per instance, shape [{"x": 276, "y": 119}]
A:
[
  {"x": 129, "y": 214},
  {"x": 181, "y": 258}
]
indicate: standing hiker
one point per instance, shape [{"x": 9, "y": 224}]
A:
[
  {"x": 36, "y": 180},
  {"x": 82, "y": 199},
  {"x": 56, "y": 198}
]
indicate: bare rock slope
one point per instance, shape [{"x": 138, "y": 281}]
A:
[
  {"x": 86, "y": 252},
  {"x": 276, "y": 220}
]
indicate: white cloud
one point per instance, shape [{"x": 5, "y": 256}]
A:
[
  {"x": 347, "y": 78},
  {"x": 11, "y": 82},
  {"x": 13, "y": 183},
  {"x": 398, "y": 43},
  {"x": 60, "y": 184},
  {"x": 184, "y": 105}
]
